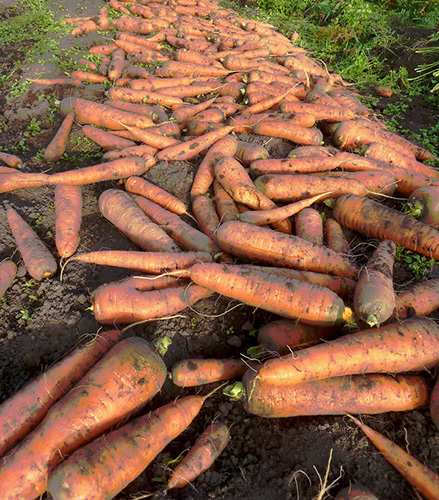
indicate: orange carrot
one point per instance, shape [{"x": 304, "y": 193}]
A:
[
  {"x": 136, "y": 443},
  {"x": 419, "y": 299},
  {"x": 424, "y": 204},
  {"x": 193, "y": 372},
  {"x": 349, "y": 101},
  {"x": 411, "y": 345},
  {"x": 136, "y": 96},
  {"x": 185, "y": 112},
  {"x": 140, "y": 109},
  {"x": 197, "y": 128},
  {"x": 141, "y": 150},
  {"x": 201, "y": 456},
  {"x": 121, "y": 210},
  {"x": 176, "y": 69},
  {"x": 370, "y": 218},
  {"x": 8, "y": 270},
  {"x": 117, "y": 64},
  {"x": 206, "y": 215},
  {"x": 97, "y": 403},
  {"x": 334, "y": 236},
  {"x": 417, "y": 474},
  {"x": 244, "y": 124},
  {"x": 17, "y": 180},
  {"x": 319, "y": 111},
  {"x": 309, "y": 225},
  {"x": 21, "y": 413},
  {"x": 106, "y": 140},
  {"x": 355, "y": 492},
  {"x": 248, "y": 152},
  {"x": 68, "y": 208},
  {"x": 225, "y": 206},
  {"x": 38, "y": 260},
  {"x": 293, "y": 165},
  {"x": 147, "y": 262},
  {"x": 258, "y": 243},
  {"x": 116, "y": 169},
  {"x": 57, "y": 145},
  {"x": 11, "y": 160},
  {"x": 140, "y": 26},
  {"x": 311, "y": 151},
  {"x": 88, "y": 77},
  {"x": 311, "y": 304},
  {"x": 286, "y": 130},
  {"x": 366, "y": 394}
]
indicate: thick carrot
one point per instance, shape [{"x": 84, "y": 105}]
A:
[
  {"x": 205, "y": 174},
  {"x": 8, "y": 271},
  {"x": 197, "y": 128},
  {"x": 176, "y": 69},
  {"x": 309, "y": 136},
  {"x": 355, "y": 492},
  {"x": 374, "y": 298},
  {"x": 189, "y": 149},
  {"x": 68, "y": 214},
  {"x": 39, "y": 262},
  {"x": 417, "y": 474},
  {"x": 145, "y": 96},
  {"x": 92, "y": 473},
  {"x": 288, "y": 297},
  {"x": 225, "y": 206},
  {"x": 365, "y": 394},
  {"x": 201, "y": 456},
  {"x": 140, "y": 26},
  {"x": 293, "y": 165},
  {"x": 127, "y": 305},
  {"x": 371, "y": 218},
  {"x": 249, "y": 152},
  {"x": 106, "y": 140},
  {"x": 412, "y": 345},
  {"x": 140, "y": 109},
  {"x": 424, "y": 203},
  {"x": 319, "y": 111},
  {"x": 21, "y": 413},
  {"x": 194, "y": 372},
  {"x": 94, "y": 113},
  {"x": 112, "y": 170},
  {"x": 258, "y": 243},
  {"x": 18, "y": 180},
  {"x": 147, "y": 262},
  {"x": 121, "y": 382},
  {"x": 419, "y": 299},
  {"x": 11, "y": 160},
  {"x": 334, "y": 236},
  {"x": 311, "y": 151},
  {"x": 309, "y": 225},
  {"x": 284, "y": 335},
  {"x": 58, "y": 144}
]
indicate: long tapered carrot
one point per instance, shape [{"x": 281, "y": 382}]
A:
[
  {"x": 411, "y": 345},
  {"x": 21, "y": 413},
  {"x": 18, "y": 180},
  {"x": 373, "y": 219},
  {"x": 120, "y": 383},
  {"x": 8, "y": 271},
  {"x": 85, "y": 477},
  {"x": 177, "y": 69},
  {"x": 194, "y": 372},
  {"x": 300, "y": 135},
  {"x": 68, "y": 215},
  {"x": 416, "y": 473},
  {"x": 106, "y": 140},
  {"x": 258, "y": 243},
  {"x": 145, "y": 96},
  {"x": 57, "y": 145},
  {"x": 293, "y": 165},
  {"x": 37, "y": 258}
]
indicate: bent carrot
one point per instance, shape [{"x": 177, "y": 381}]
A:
[
  {"x": 68, "y": 214},
  {"x": 22, "y": 412},
  {"x": 201, "y": 456},
  {"x": 374, "y": 298},
  {"x": 11, "y": 160},
  {"x": 417, "y": 474},
  {"x": 193, "y": 372},
  {"x": 8, "y": 271},
  {"x": 84, "y": 476},
  {"x": 365, "y": 394},
  {"x": 371, "y": 218},
  {"x": 38, "y": 260},
  {"x": 258, "y": 243},
  {"x": 57, "y": 145},
  {"x": 411, "y": 345},
  {"x": 120, "y": 209}
]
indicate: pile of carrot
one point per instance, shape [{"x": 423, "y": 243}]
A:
[{"x": 253, "y": 229}]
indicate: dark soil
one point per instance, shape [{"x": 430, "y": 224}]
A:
[{"x": 274, "y": 459}]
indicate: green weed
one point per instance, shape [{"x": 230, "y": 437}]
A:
[{"x": 420, "y": 265}]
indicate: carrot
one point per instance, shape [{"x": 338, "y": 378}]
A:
[
  {"x": 141, "y": 26},
  {"x": 201, "y": 456},
  {"x": 57, "y": 145},
  {"x": 257, "y": 243},
  {"x": 141, "y": 150},
  {"x": 120, "y": 209},
  {"x": 319, "y": 111},
  {"x": 87, "y": 77},
  {"x": 106, "y": 140},
  {"x": 225, "y": 206},
  {"x": 286, "y": 130},
  {"x": 185, "y": 112},
  {"x": 289, "y": 188},
  {"x": 284, "y": 335},
  {"x": 189, "y": 149},
  {"x": 117, "y": 64},
  {"x": 309, "y": 225},
  {"x": 172, "y": 69},
  {"x": 311, "y": 151},
  {"x": 102, "y": 49},
  {"x": 288, "y": 297},
  {"x": 387, "y": 154},
  {"x": 369, "y": 394},
  {"x": 264, "y": 217},
  {"x": 418, "y": 475},
  {"x": 92, "y": 472},
  {"x": 68, "y": 208},
  {"x": 147, "y": 262},
  {"x": 116, "y": 169},
  {"x": 38, "y": 260},
  {"x": 182, "y": 233},
  {"x": 293, "y": 165},
  {"x": 419, "y": 299},
  {"x": 374, "y": 298},
  {"x": 17, "y": 180},
  {"x": 244, "y": 124},
  {"x": 93, "y": 113},
  {"x": 8, "y": 271},
  {"x": 212, "y": 115},
  {"x": 206, "y": 215},
  {"x": 140, "y": 109},
  {"x": 197, "y": 128},
  {"x": 140, "y": 41},
  {"x": 184, "y": 55},
  {"x": 349, "y": 101},
  {"x": 370, "y": 218},
  {"x": 424, "y": 204},
  {"x": 151, "y": 138},
  {"x": 334, "y": 236},
  {"x": 194, "y": 372},
  {"x": 248, "y": 152},
  {"x": 129, "y": 305},
  {"x": 411, "y": 345},
  {"x": 120, "y": 383},
  {"x": 355, "y": 492},
  {"x": 266, "y": 104},
  {"x": 21, "y": 413},
  {"x": 137, "y": 95},
  {"x": 11, "y": 160}
]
